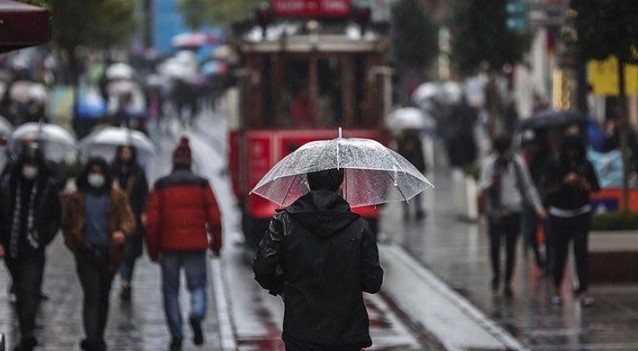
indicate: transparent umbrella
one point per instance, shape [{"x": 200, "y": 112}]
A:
[
  {"x": 374, "y": 174},
  {"x": 58, "y": 143},
  {"x": 103, "y": 142},
  {"x": 411, "y": 118}
]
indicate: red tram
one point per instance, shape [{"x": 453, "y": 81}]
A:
[{"x": 307, "y": 67}]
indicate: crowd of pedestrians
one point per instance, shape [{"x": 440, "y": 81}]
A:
[{"x": 105, "y": 216}]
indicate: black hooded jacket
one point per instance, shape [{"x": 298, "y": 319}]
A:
[{"x": 321, "y": 257}]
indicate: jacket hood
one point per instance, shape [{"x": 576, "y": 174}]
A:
[{"x": 322, "y": 212}]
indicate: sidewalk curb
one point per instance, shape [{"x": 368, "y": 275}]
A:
[{"x": 451, "y": 318}]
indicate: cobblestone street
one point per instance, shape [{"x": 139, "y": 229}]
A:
[{"x": 138, "y": 325}]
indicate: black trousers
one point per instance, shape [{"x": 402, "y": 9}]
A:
[
  {"x": 95, "y": 278},
  {"x": 574, "y": 229},
  {"x": 507, "y": 227},
  {"x": 26, "y": 272}
]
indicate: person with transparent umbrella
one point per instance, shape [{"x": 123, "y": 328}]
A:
[{"x": 317, "y": 254}]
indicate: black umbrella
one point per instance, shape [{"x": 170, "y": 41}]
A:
[{"x": 552, "y": 119}]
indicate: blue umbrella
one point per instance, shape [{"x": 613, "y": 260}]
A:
[
  {"x": 91, "y": 106},
  {"x": 214, "y": 67}
]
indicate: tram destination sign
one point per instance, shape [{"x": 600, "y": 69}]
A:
[{"x": 311, "y": 8}]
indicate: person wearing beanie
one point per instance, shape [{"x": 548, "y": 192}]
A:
[
  {"x": 182, "y": 153},
  {"x": 30, "y": 218},
  {"x": 97, "y": 219},
  {"x": 183, "y": 221}
]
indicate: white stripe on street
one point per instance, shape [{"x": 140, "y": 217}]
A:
[{"x": 226, "y": 326}]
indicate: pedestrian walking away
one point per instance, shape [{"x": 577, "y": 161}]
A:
[
  {"x": 320, "y": 258},
  {"x": 410, "y": 146},
  {"x": 96, "y": 220},
  {"x": 129, "y": 177},
  {"x": 30, "y": 218},
  {"x": 569, "y": 179},
  {"x": 183, "y": 221},
  {"x": 506, "y": 182}
]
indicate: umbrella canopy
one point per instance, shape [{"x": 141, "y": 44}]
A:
[
  {"x": 110, "y": 137},
  {"x": 214, "y": 67},
  {"x": 20, "y": 91},
  {"x": 119, "y": 70},
  {"x": 122, "y": 86},
  {"x": 194, "y": 39},
  {"x": 5, "y": 128},
  {"x": 56, "y": 142},
  {"x": 374, "y": 174},
  {"x": 91, "y": 105},
  {"x": 425, "y": 92},
  {"x": 410, "y": 118},
  {"x": 38, "y": 92},
  {"x": 552, "y": 119}
]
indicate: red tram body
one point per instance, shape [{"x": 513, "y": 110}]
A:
[{"x": 307, "y": 68}]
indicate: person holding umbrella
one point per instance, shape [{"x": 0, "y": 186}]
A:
[
  {"x": 569, "y": 179},
  {"x": 129, "y": 177},
  {"x": 317, "y": 250},
  {"x": 30, "y": 217}
]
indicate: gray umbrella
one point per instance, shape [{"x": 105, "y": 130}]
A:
[{"x": 374, "y": 174}]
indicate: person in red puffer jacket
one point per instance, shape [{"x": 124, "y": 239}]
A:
[{"x": 182, "y": 222}]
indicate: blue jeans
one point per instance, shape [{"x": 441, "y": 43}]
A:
[{"x": 194, "y": 264}]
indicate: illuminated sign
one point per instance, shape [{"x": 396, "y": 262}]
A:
[{"x": 311, "y": 8}]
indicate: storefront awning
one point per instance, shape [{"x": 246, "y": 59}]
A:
[{"x": 22, "y": 25}]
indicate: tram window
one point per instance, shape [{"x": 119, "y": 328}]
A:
[
  {"x": 297, "y": 93},
  {"x": 329, "y": 100}
]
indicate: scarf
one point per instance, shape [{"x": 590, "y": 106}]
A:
[{"x": 32, "y": 236}]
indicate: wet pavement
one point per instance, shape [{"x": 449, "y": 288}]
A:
[
  {"x": 436, "y": 294},
  {"x": 456, "y": 251}
]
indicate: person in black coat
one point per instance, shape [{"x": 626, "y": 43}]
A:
[
  {"x": 320, "y": 257},
  {"x": 30, "y": 218},
  {"x": 410, "y": 146},
  {"x": 129, "y": 177},
  {"x": 569, "y": 179}
]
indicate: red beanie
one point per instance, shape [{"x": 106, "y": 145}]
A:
[{"x": 182, "y": 153}]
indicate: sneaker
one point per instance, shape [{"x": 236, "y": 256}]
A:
[
  {"x": 556, "y": 300},
  {"x": 586, "y": 301},
  {"x": 196, "y": 325},
  {"x": 176, "y": 345}
]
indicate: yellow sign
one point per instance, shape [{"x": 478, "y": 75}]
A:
[{"x": 603, "y": 76}]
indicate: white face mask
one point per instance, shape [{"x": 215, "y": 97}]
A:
[
  {"x": 95, "y": 180},
  {"x": 30, "y": 172}
]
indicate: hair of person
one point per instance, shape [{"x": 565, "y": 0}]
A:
[
  {"x": 118, "y": 152},
  {"x": 502, "y": 143},
  {"x": 573, "y": 142},
  {"x": 330, "y": 179}
]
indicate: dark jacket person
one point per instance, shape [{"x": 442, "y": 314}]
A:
[
  {"x": 320, "y": 257},
  {"x": 30, "y": 218}
]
